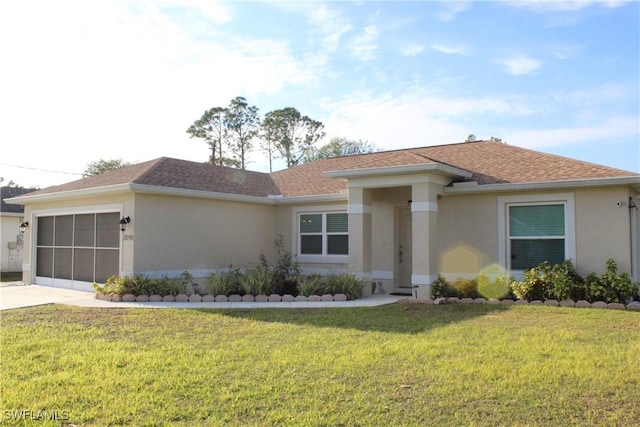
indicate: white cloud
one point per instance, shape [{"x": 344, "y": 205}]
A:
[
  {"x": 363, "y": 46},
  {"x": 519, "y": 65},
  {"x": 451, "y": 8},
  {"x": 608, "y": 129},
  {"x": 411, "y": 49},
  {"x": 214, "y": 10},
  {"x": 450, "y": 50},
  {"x": 562, "y": 6}
]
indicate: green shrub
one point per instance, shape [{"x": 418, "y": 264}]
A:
[
  {"x": 222, "y": 283},
  {"x": 166, "y": 286},
  {"x": 256, "y": 281},
  {"x": 610, "y": 286},
  {"x": 498, "y": 288},
  {"x": 114, "y": 285},
  {"x": 535, "y": 284},
  {"x": 441, "y": 289},
  {"x": 310, "y": 285},
  {"x": 467, "y": 288},
  {"x": 346, "y": 284}
]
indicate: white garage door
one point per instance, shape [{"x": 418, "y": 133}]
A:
[{"x": 77, "y": 250}]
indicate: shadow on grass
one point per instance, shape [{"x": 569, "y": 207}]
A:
[{"x": 393, "y": 318}]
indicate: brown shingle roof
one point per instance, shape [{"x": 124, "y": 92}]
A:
[{"x": 490, "y": 163}]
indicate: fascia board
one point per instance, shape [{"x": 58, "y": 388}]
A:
[
  {"x": 339, "y": 197},
  {"x": 199, "y": 194},
  {"x": 399, "y": 170},
  {"x": 71, "y": 194},
  {"x": 465, "y": 188}
]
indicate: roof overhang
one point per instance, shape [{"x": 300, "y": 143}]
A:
[
  {"x": 199, "y": 194},
  {"x": 474, "y": 187},
  {"x": 71, "y": 194},
  {"x": 434, "y": 168}
]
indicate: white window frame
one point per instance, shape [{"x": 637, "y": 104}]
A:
[
  {"x": 297, "y": 237},
  {"x": 504, "y": 202}
]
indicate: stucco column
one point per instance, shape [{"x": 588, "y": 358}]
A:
[
  {"x": 359, "y": 210},
  {"x": 424, "y": 216}
]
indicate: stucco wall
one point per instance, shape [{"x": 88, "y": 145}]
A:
[
  {"x": 11, "y": 248},
  {"x": 173, "y": 234}
]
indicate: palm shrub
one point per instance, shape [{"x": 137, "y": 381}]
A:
[
  {"x": 221, "y": 283},
  {"x": 310, "y": 285},
  {"x": 114, "y": 285},
  {"x": 256, "y": 281},
  {"x": 346, "y": 284},
  {"x": 166, "y": 286}
]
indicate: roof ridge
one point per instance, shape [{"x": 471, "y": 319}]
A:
[{"x": 147, "y": 171}]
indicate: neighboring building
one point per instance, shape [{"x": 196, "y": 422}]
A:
[
  {"x": 401, "y": 217},
  {"x": 11, "y": 216}
]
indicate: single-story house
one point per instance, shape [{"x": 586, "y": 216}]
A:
[
  {"x": 400, "y": 217},
  {"x": 11, "y": 216}
]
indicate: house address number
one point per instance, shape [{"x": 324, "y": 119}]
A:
[{"x": 127, "y": 237}]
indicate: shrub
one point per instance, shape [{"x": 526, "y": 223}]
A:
[
  {"x": 222, "y": 283},
  {"x": 346, "y": 284},
  {"x": 467, "y": 288},
  {"x": 287, "y": 266},
  {"x": 114, "y": 285},
  {"x": 256, "y": 281},
  {"x": 497, "y": 289},
  {"x": 441, "y": 289},
  {"x": 535, "y": 285},
  {"x": 610, "y": 286},
  {"x": 310, "y": 285},
  {"x": 165, "y": 286}
]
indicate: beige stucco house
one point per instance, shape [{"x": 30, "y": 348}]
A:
[{"x": 400, "y": 217}]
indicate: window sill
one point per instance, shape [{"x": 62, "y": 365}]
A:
[{"x": 324, "y": 259}]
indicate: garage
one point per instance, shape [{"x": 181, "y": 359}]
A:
[{"x": 76, "y": 250}]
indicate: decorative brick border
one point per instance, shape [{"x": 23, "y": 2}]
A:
[
  {"x": 634, "y": 305},
  {"x": 221, "y": 298}
]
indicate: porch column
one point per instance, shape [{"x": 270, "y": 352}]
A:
[
  {"x": 359, "y": 210},
  {"x": 424, "y": 216}
]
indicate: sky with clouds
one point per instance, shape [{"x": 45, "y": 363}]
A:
[{"x": 83, "y": 80}]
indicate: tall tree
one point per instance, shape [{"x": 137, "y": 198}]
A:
[
  {"x": 102, "y": 165},
  {"x": 242, "y": 124},
  {"x": 340, "y": 147},
  {"x": 211, "y": 128},
  {"x": 291, "y": 134},
  {"x": 470, "y": 138}
]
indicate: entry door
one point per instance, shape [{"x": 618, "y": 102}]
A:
[{"x": 404, "y": 247}]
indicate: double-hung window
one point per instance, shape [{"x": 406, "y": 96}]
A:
[
  {"x": 324, "y": 233},
  {"x": 536, "y": 234},
  {"x": 536, "y": 228}
]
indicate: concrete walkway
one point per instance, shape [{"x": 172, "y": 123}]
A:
[{"x": 16, "y": 296}]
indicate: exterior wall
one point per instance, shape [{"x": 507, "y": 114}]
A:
[
  {"x": 602, "y": 229},
  {"x": 286, "y": 223},
  {"x": 467, "y": 234},
  {"x": 11, "y": 247},
  {"x": 468, "y": 230},
  {"x": 121, "y": 202},
  {"x": 173, "y": 234}
]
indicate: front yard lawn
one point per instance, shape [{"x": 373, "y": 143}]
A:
[{"x": 384, "y": 366}]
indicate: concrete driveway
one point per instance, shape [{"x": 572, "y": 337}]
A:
[{"x": 18, "y": 296}]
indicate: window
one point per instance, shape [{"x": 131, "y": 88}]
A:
[
  {"x": 536, "y": 228},
  {"x": 536, "y": 234},
  {"x": 324, "y": 233}
]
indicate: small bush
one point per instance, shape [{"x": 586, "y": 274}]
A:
[
  {"x": 114, "y": 285},
  {"x": 498, "y": 288},
  {"x": 346, "y": 284},
  {"x": 467, "y": 288},
  {"x": 256, "y": 281},
  {"x": 310, "y": 285},
  {"x": 166, "y": 286},
  {"x": 441, "y": 289},
  {"x": 610, "y": 286},
  {"x": 222, "y": 283},
  {"x": 535, "y": 285}
]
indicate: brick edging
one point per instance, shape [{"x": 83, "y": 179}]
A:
[
  {"x": 220, "y": 298},
  {"x": 634, "y": 305}
]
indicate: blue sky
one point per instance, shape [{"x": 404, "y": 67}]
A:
[{"x": 125, "y": 78}]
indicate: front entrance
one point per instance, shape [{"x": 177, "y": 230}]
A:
[{"x": 404, "y": 248}]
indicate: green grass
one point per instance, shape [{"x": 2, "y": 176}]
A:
[{"x": 386, "y": 366}]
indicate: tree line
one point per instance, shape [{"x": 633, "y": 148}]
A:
[{"x": 232, "y": 133}]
